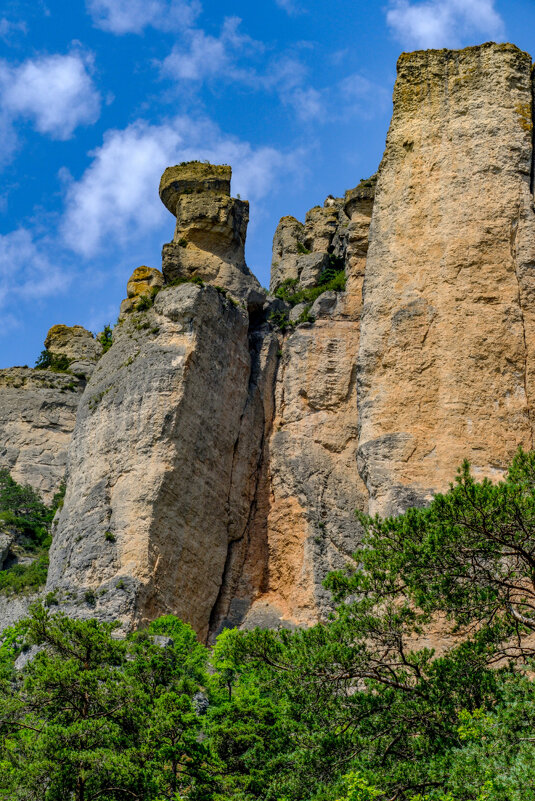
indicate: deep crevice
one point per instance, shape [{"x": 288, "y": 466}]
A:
[{"x": 217, "y": 614}]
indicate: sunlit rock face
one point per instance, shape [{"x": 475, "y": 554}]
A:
[
  {"x": 445, "y": 368},
  {"x": 38, "y": 409},
  {"x": 224, "y": 441},
  {"x": 211, "y": 227},
  {"x": 151, "y": 503}
]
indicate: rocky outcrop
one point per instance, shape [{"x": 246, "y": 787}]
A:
[
  {"x": 305, "y": 515},
  {"x": 143, "y": 281},
  {"x": 76, "y": 345},
  {"x": 303, "y": 251},
  {"x": 38, "y": 408},
  {"x": 153, "y": 493},
  {"x": 37, "y": 416},
  {"x": 447, "y": 337},
  {"x": 210, "y": 231}
]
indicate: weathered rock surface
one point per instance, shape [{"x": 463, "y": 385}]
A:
[
  {"x": 447, "y": 335},
  {"x": 210, "y": 231},
  {"x": 77, "y": 345},
  {"x": 141, "y": 282},
  {"x": 304, "y": 524},
  {"x": 220, "y": 451},
  {"x": 312, "y": 485},
  {"x": 155, "y": 491},
  {"x": 14, "y": 607},
  {"x": 37, "y": 416}
]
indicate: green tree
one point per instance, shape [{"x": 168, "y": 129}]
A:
[
  {"x": 359, "y": 692},
  {"x": 106, "y": 338},
  {"x": 470, "y": 554},
  {"x": 94, "y": 715},
  {"x": 29, "y": 520}
]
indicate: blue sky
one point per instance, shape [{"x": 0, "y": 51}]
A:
[{"x": 98, "y": 97}]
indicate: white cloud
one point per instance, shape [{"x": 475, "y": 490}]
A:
[
  {"x": 8, "y": 28},
  {"x": 132, "y": 16},
  {"x": 290, "y": 7},
  {"x": 116, "y": 199},
  {"x": 26, "y": 271},
  {"x": 353, "y": 95},
  {"x": 443, "y": 23},
  {"x": 56, "y": 92},
  {"x": 207, "y": 56},
  {"x": 308, "y": 103},
  {"x": 357, "y": 95}
]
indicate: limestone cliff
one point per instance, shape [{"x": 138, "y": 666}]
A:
[
  {"x": 225, "y": 439},
  {"x": 38, "y": 409},
  {"x": 149, "y": 509},
  {"x": 310, "y": 486},
  {"x": 447, "y": 337}
]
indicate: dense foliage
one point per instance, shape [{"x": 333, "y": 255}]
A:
[
  {"x": 360, "y": 708},
  {"x": 58, "y": 363},
  {"x": 24, "y": 515}
]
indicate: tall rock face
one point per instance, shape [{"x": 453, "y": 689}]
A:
[
  {"x": 310, "y": 487},
  {"x": 447, "y": 332},
  {"x": 38, "y": 409},
  {"x": 224, "y": 441},
  {"x": 152, "y": 496}
]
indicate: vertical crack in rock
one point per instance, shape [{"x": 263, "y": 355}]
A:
[
  {"x": 245, "y": 483},
  {"x": 515, "y": 223},
  {"x": 312, "y": 484}
]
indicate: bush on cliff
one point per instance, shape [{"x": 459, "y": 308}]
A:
[
  {"x": 28, "y": 521},
  {"x": 58, "y": 363}
]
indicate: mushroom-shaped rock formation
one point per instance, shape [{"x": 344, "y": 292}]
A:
[
  {"x": 142, "y": 281},
  {"x": 193, "y": 178},
  {"x": 210, "y": 231}
]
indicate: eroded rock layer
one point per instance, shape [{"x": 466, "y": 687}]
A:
[{"x": 38, "y": 409}]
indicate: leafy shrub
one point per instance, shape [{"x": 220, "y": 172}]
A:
[
  {"x": 106, "y": 338},
  {"x": 333, "y": 278},
  {"x": 23, "y": 511},
  {"x": 25, "y": 578},
  {"x": 194, "y": 279},
  {"x": 58, "y": 363},
  {"x": 90, "y": 598}
]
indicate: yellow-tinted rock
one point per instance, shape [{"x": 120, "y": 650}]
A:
[
  {"x": 142, "y": 280},
  {"x": 193, "y": 178},
  {"x": 140, "y": 283},
  {"x": 75, "y": 342},
  {"x": 210, "y": 231}
]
